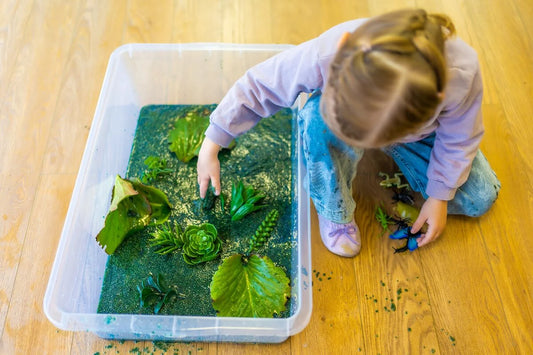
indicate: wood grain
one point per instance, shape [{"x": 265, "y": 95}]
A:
[{"x": 469, "y": 292}]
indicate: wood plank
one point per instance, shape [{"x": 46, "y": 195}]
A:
[
  {"x": 197, "y": 21},
  {"x": 147, "y": 23},
  {"x": 15, "y": 208},
  {"x": 506, "y": 232},
  {"x": 509, "y": 45},
  {"x": 391, "y": 288},
  {"x": 96, "y": 33},
  {"x": 26, "y": 329},
  {"x": 335, "y": 315},
  {"x": 27, "y": 105}
]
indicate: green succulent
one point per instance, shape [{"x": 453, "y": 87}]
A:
[{"x": 200, "y": 244}]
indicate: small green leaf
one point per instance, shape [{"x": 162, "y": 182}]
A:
[
  {"x": 166, "y": 239},
  {"x": 187, "y": 136},
  {"x": 155, "y": 167},
  {"x": 244, "y": 200},
  {"x": 154, "y": 291},
  {"x": 249, "y": 288}
]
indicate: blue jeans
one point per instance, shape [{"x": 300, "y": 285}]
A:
[{"x": 332, "y": 166}]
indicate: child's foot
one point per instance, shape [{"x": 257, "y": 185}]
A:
[{"x": 340, "y": 239}]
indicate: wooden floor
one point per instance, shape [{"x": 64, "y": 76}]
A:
[{"x": 468, "y": 293}]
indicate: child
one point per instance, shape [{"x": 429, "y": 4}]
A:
[{"x": 398, "y": 82}]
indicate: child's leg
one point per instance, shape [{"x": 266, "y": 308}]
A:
[
  {"x": 473, "y": 198},
  {"x": 331, "y": 167}
]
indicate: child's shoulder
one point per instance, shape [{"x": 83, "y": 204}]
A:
[
  {"x": 461, "y": 56},
  {"x": 464, "y": 78}
]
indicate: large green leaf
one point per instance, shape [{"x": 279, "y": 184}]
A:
[
  {"x": 249, "y": 288},
  {"x": 133, "y": 207}
]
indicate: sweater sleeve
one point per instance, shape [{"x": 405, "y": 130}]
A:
[
  {"x": 460, "y": 128},
  {"x": 265, "y": 89},
  {"x": 275, "y": 83}
]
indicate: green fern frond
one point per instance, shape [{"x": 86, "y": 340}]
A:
[{"x": 165, "y": 239}]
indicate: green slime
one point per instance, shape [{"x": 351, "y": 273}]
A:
[{"x": 263, "y": 158}]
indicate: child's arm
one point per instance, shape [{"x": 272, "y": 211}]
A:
[
  {"x": 274, "y": 84},
  {"x": 456, "y": 142},
  {"x": 460, "y": 125},
  {"x": 264, "y": 90}
]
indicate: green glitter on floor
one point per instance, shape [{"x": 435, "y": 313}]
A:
[{"x": 251, "y": 161}]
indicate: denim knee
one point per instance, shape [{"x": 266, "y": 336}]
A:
[{"x": 475, "y": 203}]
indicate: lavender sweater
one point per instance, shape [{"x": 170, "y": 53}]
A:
[{"x": 276, "y": 83}]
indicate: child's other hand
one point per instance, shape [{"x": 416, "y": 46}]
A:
[
  {"x": 434, "y": 213},
  {"x": 208, "y": 167}
]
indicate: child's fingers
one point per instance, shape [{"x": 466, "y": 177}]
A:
[
  {"x": 204, "y": 184},
  {"x": 419, "y": 223},
  {"x": 215, "y": 181},
  {"x": 431, "y": 234}
]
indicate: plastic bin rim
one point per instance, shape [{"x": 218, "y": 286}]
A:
[{"x": 195, "y": 46}]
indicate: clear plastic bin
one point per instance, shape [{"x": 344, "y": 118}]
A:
[{"x": 139, "y": 75}]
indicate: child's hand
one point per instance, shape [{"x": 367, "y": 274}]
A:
[
  {"x": 434, "y": 213},
  {"x": 208, "y": 167}
]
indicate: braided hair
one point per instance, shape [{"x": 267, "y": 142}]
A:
[{"x": 388, "y": 77}]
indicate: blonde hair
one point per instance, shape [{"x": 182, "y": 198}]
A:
[{"x": 387, "y": 78}]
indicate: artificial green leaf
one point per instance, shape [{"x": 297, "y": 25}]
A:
[
  {"x": 155, "y": 167},
  {"x": 132, "y": 214},
  {"x": 122, "y": 189},
  {"x": 135, "y": 207},
  {"x": 166, "y": 239},
  {"x": 187, "y": 136},
  {"x": 264, "y": 231},
  {"x": 155, "y": 290},
  {"x": 253, "y": 287},
  {"x": 159, "y": 203},
  {"x": 244, "y": 200}
]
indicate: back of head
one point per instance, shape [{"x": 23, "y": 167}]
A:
[{"x": 387, "y": 78}]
